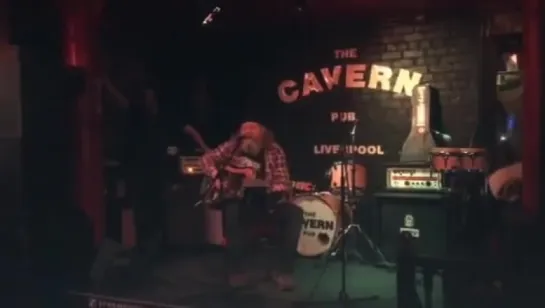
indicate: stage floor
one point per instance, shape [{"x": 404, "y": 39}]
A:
[{"x": 196, "y": 281}]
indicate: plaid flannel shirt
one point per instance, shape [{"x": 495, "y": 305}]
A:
[{"x": 276, "y": 168}]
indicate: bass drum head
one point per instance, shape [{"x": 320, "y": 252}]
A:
[
  {"x": 319, "y": 226},
  {"x": 332, "y": 200}
]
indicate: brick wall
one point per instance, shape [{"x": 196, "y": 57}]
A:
[{"x": 447, "y": 53}]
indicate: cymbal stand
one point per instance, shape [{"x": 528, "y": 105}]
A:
[
  {"x": 344, "y": 300},
  {"x": 352, "y": 233}
]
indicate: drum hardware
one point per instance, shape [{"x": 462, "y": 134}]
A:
[
  {"x": 348, "y": 227},
  {"x": 352, "y": 232}
]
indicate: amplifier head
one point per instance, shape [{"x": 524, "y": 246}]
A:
[{"x": 413, "y": 178}]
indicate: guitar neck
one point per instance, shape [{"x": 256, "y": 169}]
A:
[{"x": 196, "y": 137}]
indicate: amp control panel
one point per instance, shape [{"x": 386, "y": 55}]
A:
[{"x": 413, "y": 179}]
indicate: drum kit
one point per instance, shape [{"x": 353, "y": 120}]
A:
[
  {"x": 461, "y": 168},
  {"x": 323, "y": 227},
  {"x": 328, "y": 218},
  {"x": 322, "y": 211}
]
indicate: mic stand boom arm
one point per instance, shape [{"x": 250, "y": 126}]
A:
[{"x": 353, "y": 160}]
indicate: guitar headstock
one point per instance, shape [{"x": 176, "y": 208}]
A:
[
  {"x": 188, "y": 129},
  {"x": 191, "y": 131}
]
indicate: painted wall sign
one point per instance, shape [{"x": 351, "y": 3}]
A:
[
  {"x": 340, "y": 117},
  {"x": 355, "y": 76},
  {"x": 361, "y": 149},
  {"x": 316, "y": 133}
]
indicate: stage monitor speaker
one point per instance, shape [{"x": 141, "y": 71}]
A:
[{"x": 429, "y": 217}]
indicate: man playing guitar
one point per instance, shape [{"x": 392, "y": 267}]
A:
[{"x": 254, "y": 152}]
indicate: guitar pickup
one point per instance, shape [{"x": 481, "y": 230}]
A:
[{"x": 191, "y": 165}]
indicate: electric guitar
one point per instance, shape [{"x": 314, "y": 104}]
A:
[{"x": 238, "y": 171}]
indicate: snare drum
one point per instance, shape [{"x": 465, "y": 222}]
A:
[
  {"x": 320, "y": 223},
  {"x": 355, "y": 176}
]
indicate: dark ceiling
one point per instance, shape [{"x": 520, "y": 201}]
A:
[{"x": 240, "y": 12}]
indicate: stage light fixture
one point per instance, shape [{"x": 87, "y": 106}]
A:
[{"x": 210, "y": 17}]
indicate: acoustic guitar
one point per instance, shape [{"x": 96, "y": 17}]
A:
[{"x": 240, "y": 172}]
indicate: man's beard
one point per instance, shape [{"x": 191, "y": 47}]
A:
[{"x": 250, "y": 147}]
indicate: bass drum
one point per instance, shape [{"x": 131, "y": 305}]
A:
[{"x": 320, "y": 223}]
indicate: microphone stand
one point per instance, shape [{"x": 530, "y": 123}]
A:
[
  {"x": 343, "y": 295},
  {"x": 344, "y": 299}
]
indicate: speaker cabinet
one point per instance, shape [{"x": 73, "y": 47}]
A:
[
  {"x": 431, "y": 218},
  {"x": 185, "y": 218}
]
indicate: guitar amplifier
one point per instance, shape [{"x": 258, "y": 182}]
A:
[
  {"x": 184, "y": 218},
  {"x": 431, "y": 218}
]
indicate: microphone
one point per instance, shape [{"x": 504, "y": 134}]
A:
[
  {"x": 444, "y": 137},
  {"x": 354, "y": 125}
]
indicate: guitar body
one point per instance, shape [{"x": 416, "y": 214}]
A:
[
  {"x": 231, "y": 176},
  {"x": 229, "y": 185}
]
